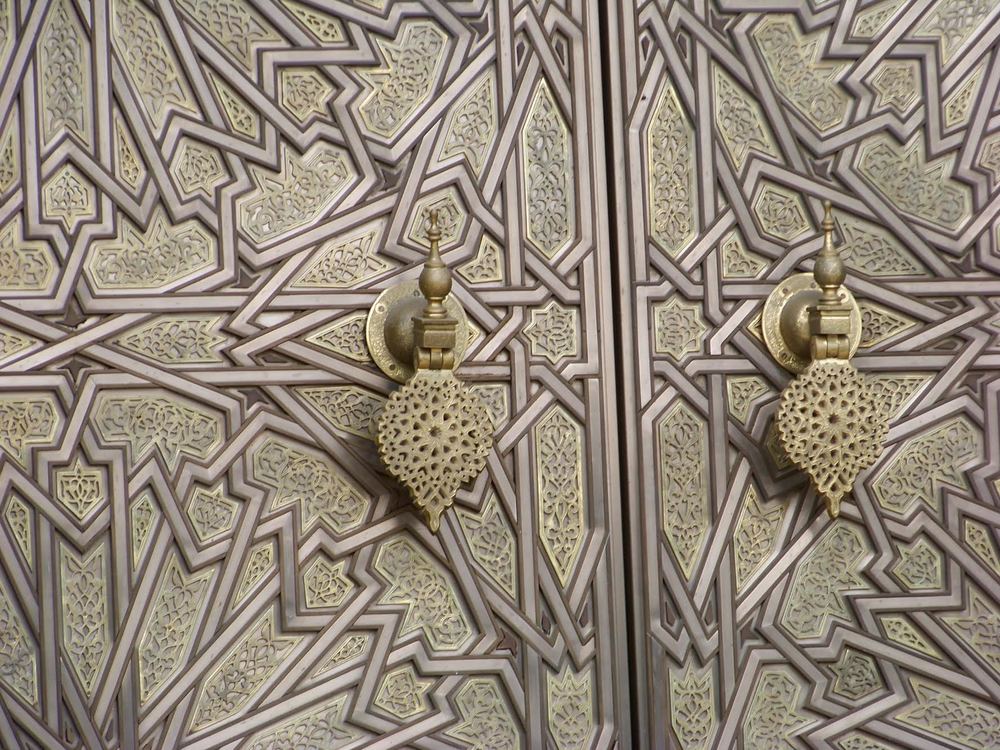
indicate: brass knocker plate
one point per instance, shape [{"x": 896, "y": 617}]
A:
[
  {"x": 785, "y": 321},
  {"x": 389, "y": 330}
]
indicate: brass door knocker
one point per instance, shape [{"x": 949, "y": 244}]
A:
[
  {"x": 434, "y": 433},
  {"x": 829, "y": 421}
]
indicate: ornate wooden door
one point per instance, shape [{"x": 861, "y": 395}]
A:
[
  {"x": 199, "y": 202},
  {"x": 198, "y": 547},
  {"x": 762, "y": 623}
]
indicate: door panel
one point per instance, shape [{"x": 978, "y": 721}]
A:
[
  {"x": 761, "y": 622},
  {"x": 201, "y": 200}
]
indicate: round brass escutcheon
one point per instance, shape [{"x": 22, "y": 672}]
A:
[
  {"x": 389, "y": 329},
  {"x": 785, "y": 321}
]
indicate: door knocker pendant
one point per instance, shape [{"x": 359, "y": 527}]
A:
[
  {"x": 829, "y": 422},
  {"x": 434, "y": 434}
]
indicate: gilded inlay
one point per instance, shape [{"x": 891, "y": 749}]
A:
[
  {"x": 857, "y": 675},
  {"x": 570, "y": 697},
  {"x": 69, "y": 198},
  {"x": 14, "y": 342},
  {"x": 151, "y": 420},
  {"x": 952, "y": 716},
  {"x": 260, "y": 561},
  {"x": 671, "y": 166},
  {"x": 345, "y": 262},
  {"x": 678, "y": 327},
  {"x": 303, "y": 190},
  {"x": 958, "y": 104},
  {"x": 553, "y": 332},
  {"x": 403, "y": 694},
  {"x": 150, "y": 63},
  {"x": 692, "y": 707},
  {"x": 491, "y": 542},
  {"x": 345, "y": 336},
  {"x": 351, "y": 646},
  {"x": 80, "y": 488},
  {"x": 20, "y": 519},
  {"x": 795, "y": 62},
  {"x": 682, "y": 448},
  {"x": 242, "y": 672},
  {"x": 549, "y": 174},
  {"x": 472, "y": 125},
  {"x": 27, "y": 421},
  {"x": 781, "y": 212},
  {"x": 927, "y": 462},
  {"x": 743, "y": 391},
  {"x": 920, "y": 566},
  {"x": 347, "y": 407},
  {"x": 487, "y": 266},
  {"x": 311, "y": 482},
  {"x": 897, "y": 85},
  {"x": 324, "y": 27},
  {"x": 982, "y": 540},
  {"x": 737, "y": 261},
  {"x": 826, "y": 573},
  {"x": 900, "y": 630},
  {"x": 18, "y": 654},
  {"x": 198, "y": 168},
  {"x": 562, "y": 516},
  {"x": 86, "y": 612},
  {"x": 919, "y": 186},
  {"x": 978, "y": 626},
  {"x": 325, "y": 583},
  {"x": 452, "y": 218},
  {"x": 486, "y": 723},
  {"x": 874, "y": 250},
  {"x": 317, "y": 728},
  {"x": 25, "y": 264},
  {"x": 775, "y": 715},
  {"x": 177, "y": 339},
  {"x": 740, "y": 120},
  {"x": 159, "y": 256},
  {"x": 870, "y": 22},
  {"x": 64, "y": 75},
  {"x": 756, "y": 535},
  {"x": 243, "y": 119},
  {"x": 212, "y": 513},
  {"x": 412, "y": 64},
  {"x": 143, "y": 515},
  {"x": 953, "y": 23},
  {"x": 167, "y": 637},
  {"x": 305, "y": 92},
  {"x": 235, "y": 25},
  {"x": 418, "y": 582}
]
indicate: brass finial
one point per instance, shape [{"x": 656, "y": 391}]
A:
[
  {"x": 829, "y": 270},
  {"x": 435, "y": 278}
]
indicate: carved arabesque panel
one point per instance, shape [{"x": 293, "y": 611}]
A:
[
  {"x": 201, "y": 200},
  {"x": 765, "y": 624}
]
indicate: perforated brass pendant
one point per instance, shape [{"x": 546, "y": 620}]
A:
[
  {"x": 831, "y": 426},
  {"x": 433, "y": 436}
]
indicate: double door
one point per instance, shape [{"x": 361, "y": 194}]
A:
[{"x": 201, "y": 201}]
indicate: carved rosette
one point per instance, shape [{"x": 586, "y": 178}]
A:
[
  {"x": 434, "y": 435},
  {"x": 832, "y": 426}
]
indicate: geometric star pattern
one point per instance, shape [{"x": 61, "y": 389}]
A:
[
  {"x": 877, "y": 630},
  {"x": 202, "y": 200}
]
